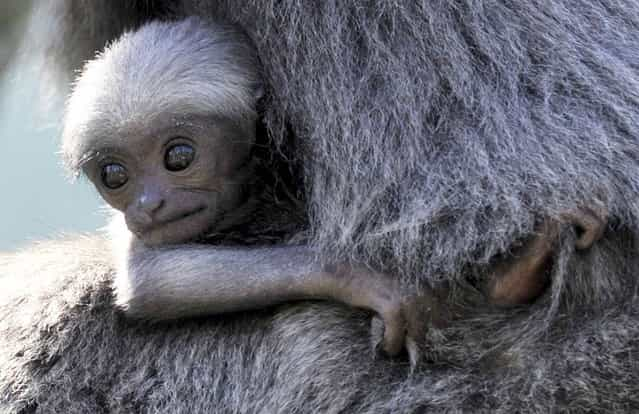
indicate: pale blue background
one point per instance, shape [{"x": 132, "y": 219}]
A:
[{"x": 37, "y": 200}]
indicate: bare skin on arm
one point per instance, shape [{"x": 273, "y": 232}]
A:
[
  {"x": 523, "y": 278},
  {"x": 208, "y": 280}
]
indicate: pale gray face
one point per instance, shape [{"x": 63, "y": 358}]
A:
[{"x": 175, "y": 180}]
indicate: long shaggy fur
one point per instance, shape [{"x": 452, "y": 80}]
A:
[{"x": 434, "y": 136}]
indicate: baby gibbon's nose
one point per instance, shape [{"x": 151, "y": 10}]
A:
[
  {"x": 141, "y": 216},
  {"x": 150, "y": 202}
]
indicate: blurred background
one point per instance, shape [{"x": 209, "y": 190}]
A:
[{"x": 37, "y": 199}]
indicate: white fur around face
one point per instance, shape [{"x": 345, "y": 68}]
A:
[{"x": 162, "y": 69}]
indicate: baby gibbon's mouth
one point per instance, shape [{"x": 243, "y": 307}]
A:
[
  {"x": 179, "y": 227},
  {"x": 181, "y": 216}
]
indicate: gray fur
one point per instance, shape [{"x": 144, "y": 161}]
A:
[
  {"x": 434, "y": 135},
  {"x": 65, "y": 349},
  {"x": 61, "y": 294}
]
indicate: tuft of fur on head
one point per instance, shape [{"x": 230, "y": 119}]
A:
[{"x": 164, "y": 68}]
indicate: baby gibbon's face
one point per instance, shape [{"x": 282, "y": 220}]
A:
[{"x": 175, "y": 180}]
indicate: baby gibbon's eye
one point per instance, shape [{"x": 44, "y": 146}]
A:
[
  {"x": 114, "y": 176},
  {"x": 178, "y": 157}
]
